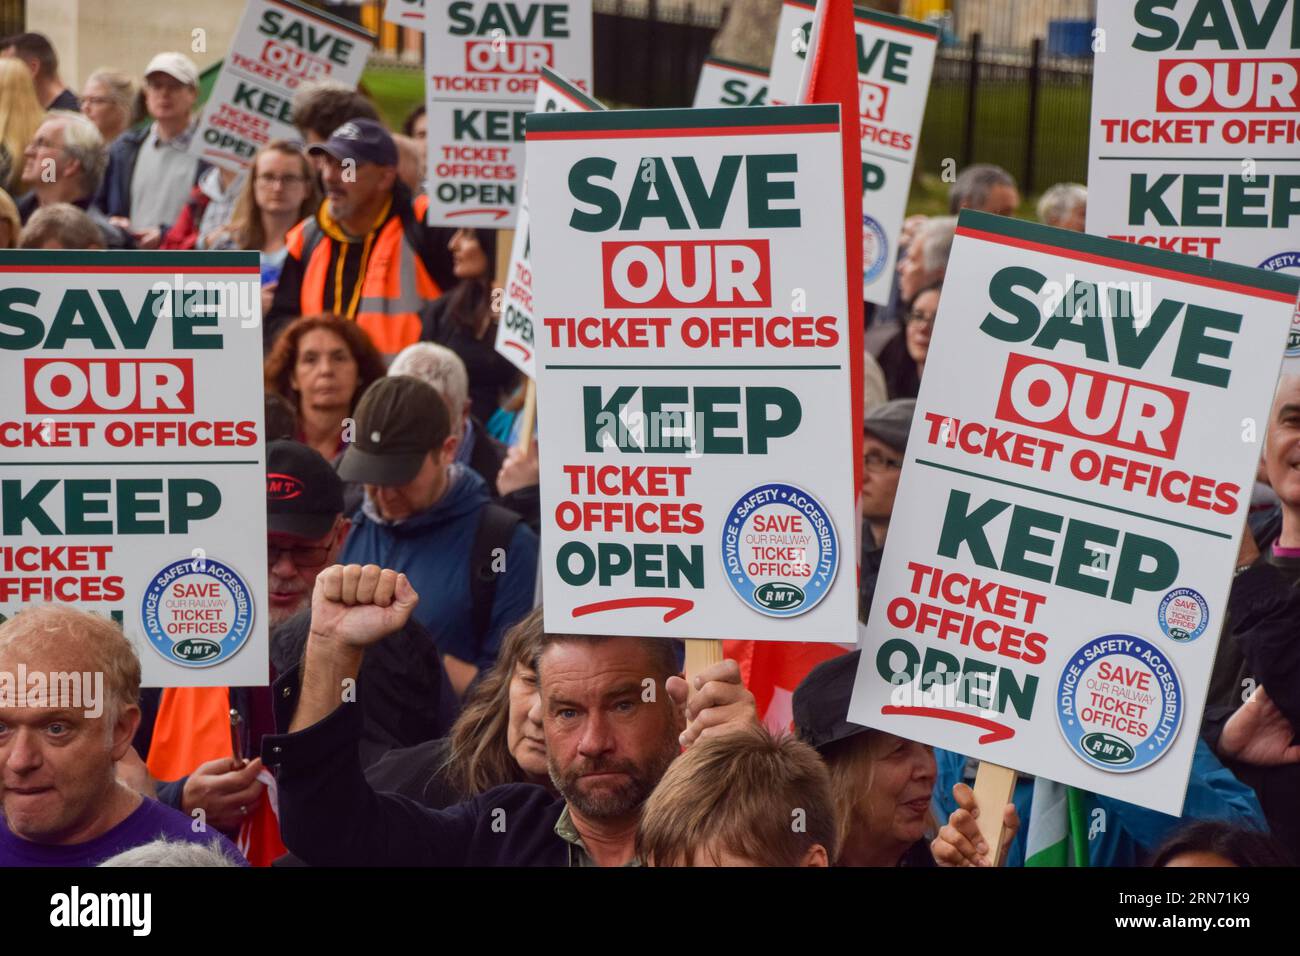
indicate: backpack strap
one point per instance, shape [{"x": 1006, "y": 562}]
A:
[{"x": 496, "y": 526}]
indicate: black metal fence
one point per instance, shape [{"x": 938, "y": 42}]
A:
[
  {"x": 1027, "y": 112},
  {"x": 649, "y": 54},
  {"x": 1012, "y": 81}
]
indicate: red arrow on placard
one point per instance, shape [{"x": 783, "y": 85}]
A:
[
  {"x": 521, "y": 348},
  {"x": 498, "y": 213},
  {"x": 676, "y": 606},
  {"x": 995, "y": 730}
]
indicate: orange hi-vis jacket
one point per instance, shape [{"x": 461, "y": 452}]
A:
[
  {"x": 379, "y": 280},
  {"x": 192, "y": 727}
]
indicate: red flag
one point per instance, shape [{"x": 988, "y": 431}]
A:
[
  {"x": 773, "y": 670},
  {"x": 831, "y": 76},
  {"x": 770, "y": 670}
]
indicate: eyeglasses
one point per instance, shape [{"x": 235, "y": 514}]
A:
[
  {"x": 876, "y": 462},
  {"x": 272, "y": 180},
  {"x": 40, "y": 142},
  {"x": 96, "y": 101},
  {"x": 312, "y": 557},
  {"x": 921, "y": 318}
]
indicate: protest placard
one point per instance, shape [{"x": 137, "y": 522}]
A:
[
  {"x": 516, "y": 335},
  {"x": 1068, "y": 516},
  {"x": 895, "y": 59},
  {"x": 278, "y": 46},
  {"x": 482, "y": 62},
  {"x": 693, "y": 372},
  {"x": 1195, "y": 135},
  {"x": 723, "y": 83},
  {"x": 133, "y": 480},
  {"x": 405, "y": 13}
]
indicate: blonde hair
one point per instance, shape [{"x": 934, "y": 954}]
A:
[
  {"x": 9, "y": 217},
  {"x": 97, "y": 641},
  {"x": 246, "y": 227},
  {"x": 21, "y": 114},
  {"x": 742, "y": 792},
  {"x": 852, "y": 765}
]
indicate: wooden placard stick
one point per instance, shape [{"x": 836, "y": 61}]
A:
[
  {"x": 527, "y": 416},
  {"x": 505, "y": 243},
  {"x": 701, "y": 653},
  {"x": 993, "y": 788}
]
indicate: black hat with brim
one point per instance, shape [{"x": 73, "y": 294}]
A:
[
  {"x": 304, "y": 495},
  {"x": 821, "y": 702},
  {"x": 370, "y": 468}
]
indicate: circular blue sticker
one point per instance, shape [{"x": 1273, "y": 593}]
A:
[
  {"x": 875, "y": 248},
  {"x": 779, "y": 550},
  {"x": 1183, "y": 615},
  {"x": 1119, "y": 703},
  {"x": 197, "y": 612},
  {"x": 1287, "y": 262}
]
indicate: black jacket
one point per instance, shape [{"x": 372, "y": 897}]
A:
[
  {"x": 486, "y": 456},
  {"x": 330, "y": 815},
  {"x": 901, "y": 377},
  {"x": 416, "y": 773},
  {"x": 403, "y": 691},
  {"x": 1261, "y": 646},
  {"x": 491, "y": 374}
]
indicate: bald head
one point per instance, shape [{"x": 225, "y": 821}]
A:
[
  {"x": 54, "y": 639},
  {"x": 58, "y": 749}
]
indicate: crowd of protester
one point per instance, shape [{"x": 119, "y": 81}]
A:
[{"x": 406, "y": 568}]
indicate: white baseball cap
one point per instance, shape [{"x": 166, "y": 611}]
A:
[{"x": 176, "y": 65}]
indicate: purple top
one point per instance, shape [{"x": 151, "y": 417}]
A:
[{"x": 148, "y": 822}]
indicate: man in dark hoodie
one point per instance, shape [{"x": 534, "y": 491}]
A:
[{"x": 432, "y": 519}]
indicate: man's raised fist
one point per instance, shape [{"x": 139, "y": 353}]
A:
[{"x": 359, "y": 606}]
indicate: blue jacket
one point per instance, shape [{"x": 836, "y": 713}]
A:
[
  {"x": 433, "y": 549},
  {"x": 1119, "y": 833},
  {"x": 114, "y": 196}
]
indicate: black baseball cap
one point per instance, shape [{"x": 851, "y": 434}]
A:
[
  {"x": 361, "y": 140},
  {"x": 821, "y": 702},
  {"x": 304, "y": 495},
  {"x": 400, "y": 419}
]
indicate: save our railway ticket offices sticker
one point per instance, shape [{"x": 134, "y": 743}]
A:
[
  {"x": 724, "y": 83},
  {"x": 278, "y": 46},
  {"x": 1076, "y": 471},
  {"x": 693, "y": 373},
  {"x": 516, "y": 335},
  {"x": 133, "y": 482},
  {"x": 482, "y": 61},
  {"x": 895, "y": 60}
]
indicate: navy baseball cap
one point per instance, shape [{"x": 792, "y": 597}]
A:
[{"x": 360, "y": 140}]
